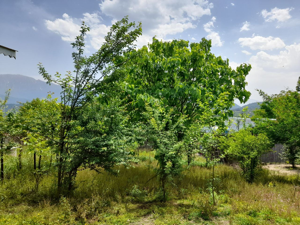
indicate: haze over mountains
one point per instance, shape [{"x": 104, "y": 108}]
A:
[{"x": 24, "y": 88}]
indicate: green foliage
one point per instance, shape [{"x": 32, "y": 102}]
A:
[
  {"x": 247, "y": 148},
  {"x": 5, "y": 132},
  {"x": 101, "y": 198},
  {"x": 104, "y": 138},
  {"x": 162, "y": 133},
  {"x": 94, "y": 75},
  {"x": 37, "y": 124},
  {"x": 187, "y": 79},
  {"x": 284, "y": 107}
]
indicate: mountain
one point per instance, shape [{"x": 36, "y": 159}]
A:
[
  {"x": 251, "y": 107},
  {"x": 236, "y": 107},
  {"x": 24, "y": 88}
]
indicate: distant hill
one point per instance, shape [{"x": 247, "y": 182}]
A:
[
  {"x": 24, "y": 88},
  {"x": 236, "y": 107},
  {"x": 251, "y": 107}
]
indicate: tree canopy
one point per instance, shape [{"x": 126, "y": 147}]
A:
[{"x": 184, "y": 76}]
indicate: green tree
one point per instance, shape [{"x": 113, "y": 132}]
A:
[
  {"x": 94, "y": 76},
  {"x": 187, "y": 79},
  {"x": 168, "y": 149},
  {"x": 285, "y": 109},
  {"x": 38, "y": 124},
  {"x": 247, "y": 149},
  {"x": 103, "y": 137},
  {"x": 4, "y": 133}
]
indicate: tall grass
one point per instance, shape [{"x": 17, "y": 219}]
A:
[{"x": 130, "y": 197}]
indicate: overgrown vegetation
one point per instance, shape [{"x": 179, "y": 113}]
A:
[
  {"x": 79, "y": 160},
  {"x": 131, "y": 198}
]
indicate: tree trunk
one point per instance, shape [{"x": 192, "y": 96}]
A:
[
  {"x": 50, "y": 162},
  {"x": 20, "y": 158},
  {"x": 163, "y": 182},
  {"x": 293, "y": 163},
  {"x": 40, "y": 159},
  {"x": 189, "y": 157},
  {"x": 293, "y": 158},
  {"x": 213, "y": 184},
  {"x": 59, "y": 174},
  {"x": 71, "y": 179},
  {"x": 34, "y": 160},
  {"x": 252, "y": 170},
  {"x": 2, "y": 162}
]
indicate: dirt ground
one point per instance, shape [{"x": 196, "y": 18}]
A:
[{"x": 285, "y": 169}]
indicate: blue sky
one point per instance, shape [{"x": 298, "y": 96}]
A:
[{"x": 265, "y": 33}]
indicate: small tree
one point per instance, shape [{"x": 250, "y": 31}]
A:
[
  {"x": 94, "y": 76},
  {"x": 4, "y": 132},
  {"x": 211, "y": 144},
  {"x": 168, "y": 149},
  {"x": 247, "y": 148},
  {"x": 38, "y": 124},
  {"x": 285, "y": 109}
]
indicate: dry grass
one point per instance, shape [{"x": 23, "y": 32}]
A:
[
  {"x": 132, "y": 196},
  {"x": 284, "y": 169}
]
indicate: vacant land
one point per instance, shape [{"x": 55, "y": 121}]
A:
[{"x": 283, "y": 169}]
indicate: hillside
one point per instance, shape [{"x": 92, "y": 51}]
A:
[
  {"x": 236, "y": 107},
  {"x": 24, "y": 88},
  {"x": 251, "y": 107}
]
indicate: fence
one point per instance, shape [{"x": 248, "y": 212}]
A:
[{"x": 274, "y": 156}]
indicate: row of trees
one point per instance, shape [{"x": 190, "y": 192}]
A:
[{"x": 167, "y": 93}]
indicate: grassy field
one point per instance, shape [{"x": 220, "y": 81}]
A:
[{"x": 133, "y": 197}]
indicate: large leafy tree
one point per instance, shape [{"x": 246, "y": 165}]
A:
[
  {"x": 187, "y": 78},
  {"x": 93, "y": 76},
  {"x": 169, "y": 86}
]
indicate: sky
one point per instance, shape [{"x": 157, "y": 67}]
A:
[{"x": 265, "y": 34}]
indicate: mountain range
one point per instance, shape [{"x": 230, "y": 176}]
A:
[{"x": 24, "y": 88}]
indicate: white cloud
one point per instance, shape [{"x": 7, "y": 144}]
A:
[
  {"x": 214, "y": 36},
  {"x": 65, "y": 27},
  {"x": 233, "y": 64},
  {"x": 208, "y": 26},
  {"x": 159, "y": 18},
  {"x": 193, "y": 39},
  {"x": 215, "y": 39},
  {"x": 245, "y": 26},
  {"x": 286, "y": 60},
  {"x": 232, "y": 4},
  {"x": 69, "y": 28},
  {"x": 280, "y": 15},
  {"x": 274, "y": 72},
  {"x": 246, "y": 52},
  {"x": 34, "y": 28},
  {"x": 262, "y": 43}
]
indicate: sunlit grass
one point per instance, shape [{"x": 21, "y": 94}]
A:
[{"x": 130, "y": 197}]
